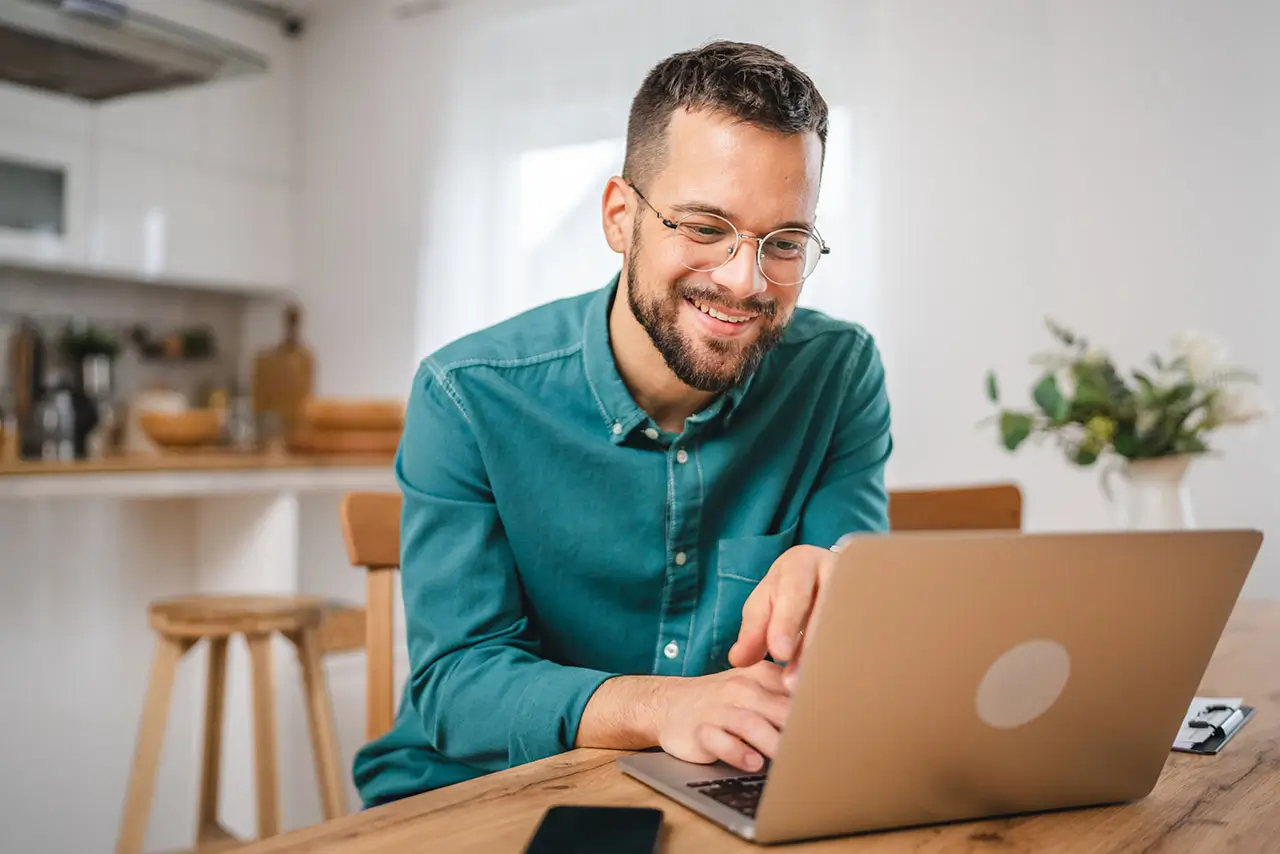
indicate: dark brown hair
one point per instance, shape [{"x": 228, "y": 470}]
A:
[{"x": 749, "y": 82}]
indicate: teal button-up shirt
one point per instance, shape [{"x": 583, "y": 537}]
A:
[{"x": 554, "y": 536}]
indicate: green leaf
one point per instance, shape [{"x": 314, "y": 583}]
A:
[
  {"x": 1148, "y": 387},
  {"x": 1126, "y": 440},
  {"x": 1066, "y": 336},
  {"x": 1085, "y": 456},
  {"x": 993, "y": 390},
  {"x": 1188, "y": 443},
  {"x": 1091, "y": 384},
  {"x": 1014, "y": 429},
  {"x": 1176, "y": 395},
  {"x": 1050, "y": 400},
  {"x": 1157, "y": 362}
]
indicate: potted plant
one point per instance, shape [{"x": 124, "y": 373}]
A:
[{"x": 1151, "y": 421}]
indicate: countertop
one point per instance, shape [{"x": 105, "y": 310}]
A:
[{"x": 193, "y": 473}]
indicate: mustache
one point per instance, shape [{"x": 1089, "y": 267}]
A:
[{"x": 766, "y": 308}]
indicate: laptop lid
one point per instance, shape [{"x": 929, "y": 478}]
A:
[{"x": 961, "y": 675}]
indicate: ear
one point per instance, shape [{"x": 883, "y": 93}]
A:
[{"x": 617, "y": 214}]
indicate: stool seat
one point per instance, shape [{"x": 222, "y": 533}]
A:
[{"x": 215, "y": 616}]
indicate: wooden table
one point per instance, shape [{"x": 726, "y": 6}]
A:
[{"x": 1228, "y": 802}]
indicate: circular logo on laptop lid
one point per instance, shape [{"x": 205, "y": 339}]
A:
[{"x": 1023, "y": 683}]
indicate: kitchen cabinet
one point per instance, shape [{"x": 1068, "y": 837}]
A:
[
  {"x": 45, "y": 178},
  {"x": 163, "y": 217},
  {"x": 192, "y": 185}
]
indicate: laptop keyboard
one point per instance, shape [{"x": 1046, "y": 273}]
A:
[{"x": 737, "y": 793}]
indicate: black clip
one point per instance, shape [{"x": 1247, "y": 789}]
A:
[{"x": 1218, "y": 731}]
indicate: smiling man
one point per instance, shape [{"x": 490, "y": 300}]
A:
[{"x": 620, "y": 508}]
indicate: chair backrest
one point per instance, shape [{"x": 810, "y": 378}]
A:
[
  {"x": 371, "y": 529},
  {"x": 995, "y": 507}
]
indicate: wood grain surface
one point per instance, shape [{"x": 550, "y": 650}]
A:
[{"x": 1229, "y": 802}]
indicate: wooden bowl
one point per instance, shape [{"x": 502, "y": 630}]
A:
[
  {"x": 190, "y": 428},
  {"x": 363, "y": 415}
]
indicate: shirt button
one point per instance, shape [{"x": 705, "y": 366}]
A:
[
  {"x": 671, "y": 650},
  {"x": 681, "y": 558},
  {"x": 682, "y": 456},
  {"x": 617, "y": 429},
  {"x": 651, "y": 433}
]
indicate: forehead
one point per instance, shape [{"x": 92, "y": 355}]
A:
[{"x": 759, "y": 176}]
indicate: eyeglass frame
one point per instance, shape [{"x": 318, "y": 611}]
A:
[{"x": 823, "y": 248}]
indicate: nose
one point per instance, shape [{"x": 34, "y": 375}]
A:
[{"x": 741, "y": 276}]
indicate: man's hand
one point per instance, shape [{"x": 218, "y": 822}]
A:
[
  {"x": 779, "y": 610},
  {"x": 734, "y": 716}
]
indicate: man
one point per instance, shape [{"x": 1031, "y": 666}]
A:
[{"x": 619, "y": 508}]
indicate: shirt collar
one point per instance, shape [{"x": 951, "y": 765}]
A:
[{"x": 619, "y": 412}]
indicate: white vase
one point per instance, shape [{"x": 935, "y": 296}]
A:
[{"x": 1154, "y": 495}]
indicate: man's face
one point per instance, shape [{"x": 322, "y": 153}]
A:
[{"x": 760, "y": 181}]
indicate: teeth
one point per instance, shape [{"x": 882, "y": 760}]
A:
[{"x": 706, "y": 309}]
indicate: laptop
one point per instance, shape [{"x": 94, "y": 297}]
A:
[{"x": 958, "y": 676}]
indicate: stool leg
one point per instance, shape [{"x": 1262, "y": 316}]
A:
[
  {"x": 146, "y": 757},
  {"x": 324, "y": 741},
  {"x": 207, "y": 826},
  {"x": 264, "y": 735}
]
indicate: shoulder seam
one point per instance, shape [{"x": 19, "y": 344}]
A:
[
  {"x": 442, "y": 377},
  {"x": 513, "y": 363},
  {"x": 855, "y": 357}
]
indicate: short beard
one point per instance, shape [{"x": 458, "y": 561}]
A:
[{"x": 659, "y": 314}]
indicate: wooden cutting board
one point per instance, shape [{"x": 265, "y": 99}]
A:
[
  {"x": 307, "y": 440},
  {"x": 283, "y": 377}
]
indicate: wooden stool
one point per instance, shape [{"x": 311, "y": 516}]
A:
[{"x": 180, "y": 624}]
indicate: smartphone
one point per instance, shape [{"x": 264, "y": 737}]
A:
[{"x": 597, "y": 830}]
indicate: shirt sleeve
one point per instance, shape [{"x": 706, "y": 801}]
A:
[
  {"x": 850, "y": 495},
  {"x": 477, "y": 681}
]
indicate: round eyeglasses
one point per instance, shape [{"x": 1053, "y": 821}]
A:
[{"x": 708, "y": 241}]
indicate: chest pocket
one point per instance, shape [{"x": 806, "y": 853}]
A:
[{"x": 742, "y": 563}]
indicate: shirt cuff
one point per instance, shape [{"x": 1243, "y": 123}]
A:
[{"x": 550, "y": 711}]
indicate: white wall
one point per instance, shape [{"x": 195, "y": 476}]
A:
[
  {"x": 365, "y": 104},
  {"x": 1110, "y": 164}
]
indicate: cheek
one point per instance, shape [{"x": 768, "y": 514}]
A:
[{"x": 786, "y": 299}]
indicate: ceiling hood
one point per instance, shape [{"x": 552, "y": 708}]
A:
[{"x": 101, "y": 49}]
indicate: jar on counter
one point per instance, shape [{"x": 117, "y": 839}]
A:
[{"x": 56, "y": 421}]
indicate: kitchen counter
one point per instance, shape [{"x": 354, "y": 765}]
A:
[
  {"x": 174, "y": 474},
  {"x": 85, "y": 546}
]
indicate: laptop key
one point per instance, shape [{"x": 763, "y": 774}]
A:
[{"x": 741, "y": 794}]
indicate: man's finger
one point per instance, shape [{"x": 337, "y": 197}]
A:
[
  {"x": 728, "y": 748},
  {"x": 773, "y": 706},
  {"x": 753, "y": 728},
  {"x": 767, "y": 675},
  {"x": 791, "y": 606},
  {"x": 750, "y": 646}
]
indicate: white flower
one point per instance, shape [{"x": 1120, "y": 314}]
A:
[
  {"x": 1240, "y": 404},
  {"x": 1066, "y": 382},
  {"x": 1204, "y": 355},
  {"x": 1095, "y": 356}
]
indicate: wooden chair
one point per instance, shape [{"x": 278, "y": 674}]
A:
[
  {"x": 180, "y": 624},
  {"x": 996, "y": 507},
  {"x": 371, "y": 528}
]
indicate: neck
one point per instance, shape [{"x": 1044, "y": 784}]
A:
[{"x": 652, "y": 384}]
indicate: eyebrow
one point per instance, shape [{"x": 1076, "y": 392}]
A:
[{"x": 708, "y": 208}]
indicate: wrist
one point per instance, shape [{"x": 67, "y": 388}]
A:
[{"x": 626, "y": 713}]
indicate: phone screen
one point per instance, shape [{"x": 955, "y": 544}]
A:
[{"x": 596, "y": 830}]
